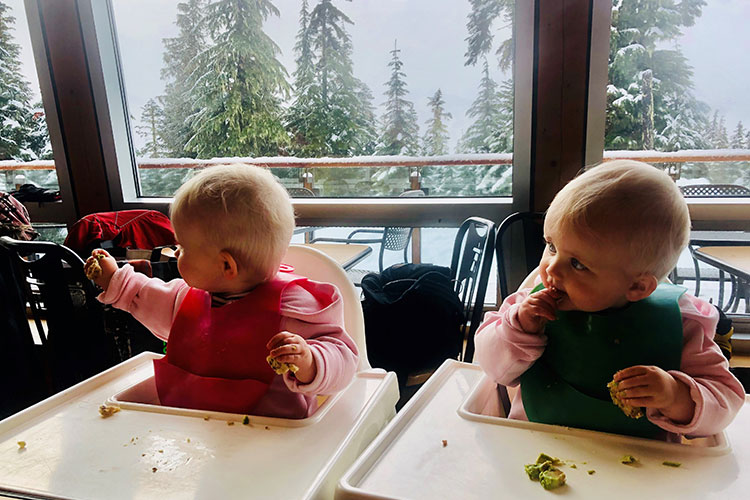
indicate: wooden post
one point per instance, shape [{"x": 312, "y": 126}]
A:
[{"x": 415, "y": 180}]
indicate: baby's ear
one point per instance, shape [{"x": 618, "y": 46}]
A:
[
  {"x": 228, "y": 265},
  {"x": 641, "y": 287}
]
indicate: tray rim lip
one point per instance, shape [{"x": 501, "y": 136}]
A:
[
  {"x": 722, "y": 446},
  {"x": 316, "y": 417}
]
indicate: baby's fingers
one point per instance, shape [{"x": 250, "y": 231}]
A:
[{"x": 283, "y": 338}]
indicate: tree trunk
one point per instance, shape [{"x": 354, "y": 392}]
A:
[{"x": 647, "y": 120}]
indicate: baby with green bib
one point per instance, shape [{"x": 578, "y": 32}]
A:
[{"x": 598, "y": 313}]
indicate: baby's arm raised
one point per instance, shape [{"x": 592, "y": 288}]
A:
[
  {"x": 504, "y": 349},
  {"x": 151, "y": 301}
]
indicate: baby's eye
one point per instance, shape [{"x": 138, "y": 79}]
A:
[
  {"x": 577, "y": 265},
  {"x": 551, "y": 247}
]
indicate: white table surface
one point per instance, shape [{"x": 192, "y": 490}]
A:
[
  {"x": 481, "y": 460},
  {"x": 71, "y": 452}
]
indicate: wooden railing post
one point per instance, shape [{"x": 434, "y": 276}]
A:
[{"x": 415, "y": 180}]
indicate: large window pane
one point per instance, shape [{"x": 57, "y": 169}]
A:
[
  {"x": 323, "y": 79},
  {"x": 23, "y": 130},
  {"x": 676, "y": 86}
]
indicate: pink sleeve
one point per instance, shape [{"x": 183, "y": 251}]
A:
[
  {"x": 321, "y": 322},
  {"x": 717, "y": 394},
  {"x": 151, "y": 301},
  {"x": 503, "y": 349}
]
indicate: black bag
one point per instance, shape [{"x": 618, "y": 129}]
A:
[{"x": 413, "y": 318}]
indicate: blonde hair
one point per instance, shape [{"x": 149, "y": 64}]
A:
[
  {"x": 242, "y": 209},
  {"x": 631, "y": 203}
]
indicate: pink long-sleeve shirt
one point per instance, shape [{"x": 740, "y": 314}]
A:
[
  {"x": 155, "y": 303},
  {"x": 505, "y": 352}
]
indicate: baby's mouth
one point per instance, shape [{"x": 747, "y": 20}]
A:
[{"x": 559, "y": 294}]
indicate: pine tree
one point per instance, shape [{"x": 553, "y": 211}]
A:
[
  {"x": 492, "y": 128},
  {"x": 238, "y": 95},
  {"x": 650, "y": 100},
  {"x": 180, "y": 72},
  {"x": 738, "y": 137},
  {"x": 435, "y": 140},
  {"x": 400, "y": 131},
  {"x": 152, "y": 118},
  {"x": 481, "y": 18},
  {"x": 332, "y": 112},
  {"x": 21, "y": 134}
]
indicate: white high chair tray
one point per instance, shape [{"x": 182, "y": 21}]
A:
[
  {"x": 72, "y": 452},
  {"x": 482, "y": 459}
]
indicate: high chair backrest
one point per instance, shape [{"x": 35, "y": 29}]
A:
[{"x": 316, "y": 265}]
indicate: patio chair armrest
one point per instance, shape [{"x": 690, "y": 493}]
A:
[
  {"x": 345, "y": 240},
  {"x": 371, "y": 231}
]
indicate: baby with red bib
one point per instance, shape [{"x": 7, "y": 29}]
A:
[{"x": 235, "y": 306}]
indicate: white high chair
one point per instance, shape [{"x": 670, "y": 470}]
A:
[
  {"x": 316, "y": 265},
  {"x": 148, "y": 450}
]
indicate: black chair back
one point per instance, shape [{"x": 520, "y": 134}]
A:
[
  {"x": 71, "y": 342},
  {"x": 470, "y": 268},
  {"x": 532, "y": 232}
]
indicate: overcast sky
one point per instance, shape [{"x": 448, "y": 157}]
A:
[{"x": 431, "y": 35}]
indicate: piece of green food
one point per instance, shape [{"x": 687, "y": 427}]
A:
[
  {"x": 592, "y": 471},
  {"x": 534, "y": 470},
  {"x": 281, "y": 368},
  {"x": 669, "y": 463},
  {"x": 630, "y": 411},
  {"x": 544, "y": 471},
  {"x": 552, "y": 478},
  {"x": 628, "y": 460},
  {"x": 246, "y": 420}
]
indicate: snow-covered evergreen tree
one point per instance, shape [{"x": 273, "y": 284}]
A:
[
  {"x": 481, "y": 19},
  {"x": 23, "y": 134},
  {"x": 152, "y": 125},
  {"x": 739, "y": 137},
  {"x": 238, "y": 95},
  {"x": 400, "y": 130},
  {"x": 332, "y": 113},
  {"x": 650, "y": 99},
  {"x": 180, "y": 73},
  {"x": 492, "y": 128},
  {"x": 435, "y": 140}
]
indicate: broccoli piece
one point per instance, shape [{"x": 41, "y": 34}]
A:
[
  {"x": 246, "y": 420},
  {"x": 630, "y": 411},
  {"x": 628, "y": 460},
  {"x": 670, "y": 463},
  {"x": 552, "y": 478}
]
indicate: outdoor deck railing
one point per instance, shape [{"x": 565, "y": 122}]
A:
[{"x": 674, "y": 161}]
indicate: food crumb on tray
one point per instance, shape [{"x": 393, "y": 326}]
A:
[{"x": 108, "y": 410}]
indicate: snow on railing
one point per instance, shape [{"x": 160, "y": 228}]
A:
[{"x": 684, "y": 156}]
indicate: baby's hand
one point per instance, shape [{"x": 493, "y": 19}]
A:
[
  {"x": 652, "y": 387},
  {"x": 287, "y": 347},
  {"x": 537, "y": 309},
  {"x": 100, "y": 267}
]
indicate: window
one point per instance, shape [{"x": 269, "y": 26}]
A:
[
  {"x": 23, "y": 130},
  {"x": 676, "y": 94},
  {"x": 322, "y": 80}
]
